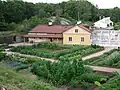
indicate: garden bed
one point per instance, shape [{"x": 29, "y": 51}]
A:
[
  {"x": 110, "y": 59},
  {"x": 57, "y": 51},
  {"x": 72, "y": 73}
]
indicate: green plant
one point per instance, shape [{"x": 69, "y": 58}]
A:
[
  {"x": 97, "y": 83},
  {"x": 58, "y": 73},
  {"x": 92, "y": 77},
  {"x": 17, "y": 81},
  {"x": 2, "y": 56}
]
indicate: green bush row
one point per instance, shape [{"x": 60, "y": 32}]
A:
[{"x": 65, "y": 73}]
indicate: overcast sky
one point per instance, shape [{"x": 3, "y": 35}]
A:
[{"x": 100, "y": 3}]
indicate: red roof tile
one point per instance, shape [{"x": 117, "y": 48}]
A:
[{"x": 50, "y": 29}]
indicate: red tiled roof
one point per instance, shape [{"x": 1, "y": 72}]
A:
[
  {"x": 44, "y": 36},
  {"x": 50, "y": 29}
]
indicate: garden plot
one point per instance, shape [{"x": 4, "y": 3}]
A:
[
  {"x": 110, "y": 59},
  {"x": 64, "y": 73},
  {"x": 57, "y": 51}
]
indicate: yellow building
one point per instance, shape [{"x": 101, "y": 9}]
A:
[
  {"x": 61, "y": 34},
  {"x": 77, "y": 35}
]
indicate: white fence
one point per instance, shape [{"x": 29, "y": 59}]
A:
[{"x": 109, "y": 38}]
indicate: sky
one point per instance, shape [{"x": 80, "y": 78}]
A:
[{"x": 100, "y": 3}]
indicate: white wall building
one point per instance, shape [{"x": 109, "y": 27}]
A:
[
  {"x": 105, "y": 23},
  {"x": 110, "y": 38}
]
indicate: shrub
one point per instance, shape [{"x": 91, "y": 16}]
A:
[
  {"x": 92, "y": 77},
  {"x": 58, "y": 73},
  {"x": 22, "y": 66},
  {"x": 2, "y": 56},
  {"x": 113, "y": 84}
]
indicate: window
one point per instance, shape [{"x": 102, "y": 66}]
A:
[
  {"x": 108, "y": 25},
  {"x": 76, "y": 30},
  {"x": 70, "y": 38},
  {"x": 82, "y": 39}
]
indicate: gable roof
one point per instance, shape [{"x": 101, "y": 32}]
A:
[
  {"x": 106, "y": 20},
  {"x": 55, "y": 28},
  {"x": 85, "y": 28},
  {"x": 50, "y": 29}
]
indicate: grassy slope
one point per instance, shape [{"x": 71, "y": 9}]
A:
[{"x": 16, "y": 81}]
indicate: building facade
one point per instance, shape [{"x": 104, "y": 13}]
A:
[
  {"x": 60, "y": 34},
  {"x": 77, "y": 35},
  {"x": 108, "y": 38},
  {"x": 105, "y": 23}
]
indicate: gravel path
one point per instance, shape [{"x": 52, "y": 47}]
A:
[
  {"x": 95, "y": 68},
  {"x": 29, "y": 56},
  {"x": 104, "y": 69},
  {"x": 97, "y": 54}
]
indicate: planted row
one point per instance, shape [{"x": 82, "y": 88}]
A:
[
  {"x": 57, "y": 51},
  {"x": 111, "y": 59}
]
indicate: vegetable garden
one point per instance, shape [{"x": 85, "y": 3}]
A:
[
  {"x": 110, "y": 59},
  {"x": 57, "y": 51},
  {"x": 69, "y": 71}
]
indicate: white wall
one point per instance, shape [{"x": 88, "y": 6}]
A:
[
  {"x": 37, "y": 40},
  {"x": 106, "y": 38},
  {"x": 103, "y": 23}
]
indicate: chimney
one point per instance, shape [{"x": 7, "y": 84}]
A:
[
  {"x": 100, "y": 17},
  {"x": 50, "y": 23}
]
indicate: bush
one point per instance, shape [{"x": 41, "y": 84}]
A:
[
  {"x": 92, "y": 77},
  {"x": 58, "y": 73},
  {"x": 113, "y": 84},
  {"x": 22, "y": 66},
  {"x": 2, "y": 56}
]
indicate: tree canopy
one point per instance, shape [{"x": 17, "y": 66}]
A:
[{"x": 14, "y": 11}]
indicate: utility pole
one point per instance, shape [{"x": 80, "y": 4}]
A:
[{"x": 78, "y": 16}]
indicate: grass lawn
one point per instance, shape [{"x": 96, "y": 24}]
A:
[{"x": 16, "y": 81}]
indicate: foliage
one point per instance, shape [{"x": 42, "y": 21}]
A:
[
  {"x": 107, "y": 59},
  {"x": 65, "y": 73},
  {"x": 16, "y": 81},
  {"x": 57, "y": 51},
  {"x": 2, "y": 55},
  {"x": 18, "y": 62},
  {"x": 117, "y": 26},
  {"x": 113, "y": 13},
  {"x": 113, "y": 84},
  {"x": 92, "y": 77},
  {"x": 20, "y": 67},
  {"x": 13, "y": 12},
  {"x": 58, "y": 73}
]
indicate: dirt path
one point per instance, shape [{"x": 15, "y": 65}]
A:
[
  {"x": 29, "y": 56},
  {"x": 95, "y": 68},
  {"x": 97, "y": 54},
  {"x": 104, "y": 69}
]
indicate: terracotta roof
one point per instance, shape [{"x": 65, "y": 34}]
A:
[
  {"x": 44, "y": 36},
  {"x": 50, "y": 29}
]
